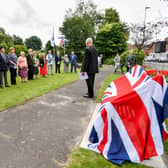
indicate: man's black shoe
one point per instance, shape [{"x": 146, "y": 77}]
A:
[{"x": 87, "y": 96}]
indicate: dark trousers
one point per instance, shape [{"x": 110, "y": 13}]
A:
[
  {"x": 90, "y": 84},
  {"x": 73, "y": 66},
  {"x": 13, "y": 75},
  {"x": 57, "y": 68},
  {"x": 30, "y": 72},
  {"x": 3, "y": 76}
]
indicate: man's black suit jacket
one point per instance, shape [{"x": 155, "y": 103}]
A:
[{"x": 90, "y": 60}]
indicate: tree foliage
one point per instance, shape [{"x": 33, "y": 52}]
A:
[
  {"x": 79, "y": 25},
  {"x": 53, "y": 49},
  {"x": 111, "y": 16},
  {"x": 17, "y": 40},
  {"x": 111, "y": 39},
  {"x": 19, "y": 48},
  {"x": 33, "y": 42},
  {"x": 5, "y": 39}
]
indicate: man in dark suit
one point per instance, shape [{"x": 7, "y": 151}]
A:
[
  {"x": 30, "y": 64},
  {"x": 3, "y": 68},
  {"x": 58, "y": 62},
  {"x": 90, "y": 66}
]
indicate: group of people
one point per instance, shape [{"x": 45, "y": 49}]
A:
[
  {"x": 50, "y": 59},
  {"x": 130, "y": 61},
  {"x": 27, "y": 66}
]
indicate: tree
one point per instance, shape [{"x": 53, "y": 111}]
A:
[
  {"x": 112, "y": 39},
  {"x": 111, "y": 16},
  {"x": 19, "y": 48},
  {"x": 80, "y": 25},
  {"x": 142, "y": 35},
  {"x": 5, "y": 39},
  {"x": 55, "y": 49},
  {"x": 2, "y": 30},
  {"x": 17, "y": 40},
  {"x": 33, "y": 42}
]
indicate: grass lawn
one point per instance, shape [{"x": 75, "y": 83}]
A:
[
  {"x": 82, "y": 158},
  {"x": 166, "y": 142},
  {"x": 24, "y": 91}
]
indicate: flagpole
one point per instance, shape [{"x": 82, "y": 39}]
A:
[{"x": 53, "y": 42}]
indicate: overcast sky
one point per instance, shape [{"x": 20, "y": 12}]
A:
[{"x": 37, "y": 17}]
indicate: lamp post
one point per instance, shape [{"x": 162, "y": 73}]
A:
[{"x": 146, "y": 8}]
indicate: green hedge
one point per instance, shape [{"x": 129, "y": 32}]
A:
[{"x": 109, "y": 61}]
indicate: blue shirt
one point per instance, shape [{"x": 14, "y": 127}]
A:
[{"x": 73, "y": 59}]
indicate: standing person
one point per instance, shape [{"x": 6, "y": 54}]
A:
[
  {"x": 90, "y": 65},
  {"x": 66, "y": 63},
  {"x": 3, "y": 68},
  {"x": 12, "y": 61},
  {"x": 100, "y": 60},
  {"x": 49, "y": 59},
  {"x": 43, "y": 66},
  {"x": 57, "y": 62},
  {"x": 117, "y": 62},
  {"x": 73, "y": 59},
  {"x": 22, "y": 66},
  {"x": 101, "y": 56},
  {"x": 130, "y": 61},
  {"x": 30, "y": 64},
  {"x": 35, "y": 65}
]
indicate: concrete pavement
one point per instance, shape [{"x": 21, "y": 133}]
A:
[{"x": 42, "y": 132}]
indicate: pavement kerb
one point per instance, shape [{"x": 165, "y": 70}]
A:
[{"x": 155, "y": 162}]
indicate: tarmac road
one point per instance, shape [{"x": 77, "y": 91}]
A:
[{"x": 42, "y": 132}]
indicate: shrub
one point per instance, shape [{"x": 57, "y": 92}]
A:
[
  {"x": 109, "y": 61},
  {"x": 19, "y": 48}
]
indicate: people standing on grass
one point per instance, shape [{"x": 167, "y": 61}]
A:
[
  {"x": 12, "y": 63},
  {"x": 3, "y": 68},
  {"x": 22, "y": 66},
  {"x": 57, "y": 62},
  {"x": 66, "y": 63},
  {"x": 130, "y": 61},
  {"x": 35, "y": 65},
  {"x": 30, "y": 64},
  {"x": 43, "y": 65},
  {"x": 49, "y": 59},
  {"x": 100, "y": 60},
  {"x": 90, "y": 66},
  {"x": 73, "y": 59},
  {"x": 117, "y": 62}
]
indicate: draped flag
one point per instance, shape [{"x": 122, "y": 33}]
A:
[
  {"x": 130, "y": 122},
  {"x": 52, "y": 40}
]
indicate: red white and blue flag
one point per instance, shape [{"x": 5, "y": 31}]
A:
[{"x": 130, "y": 123}]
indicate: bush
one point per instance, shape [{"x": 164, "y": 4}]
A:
[
  {"x": 109, "y": 61},
  {"x": 19, "y": 48},
  {"x": 139, "y": 55}
]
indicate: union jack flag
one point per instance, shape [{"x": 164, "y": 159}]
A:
[{"x": 130, "y": 122}]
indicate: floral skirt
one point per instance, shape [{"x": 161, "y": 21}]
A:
[{"x": 22, "y": 72}]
